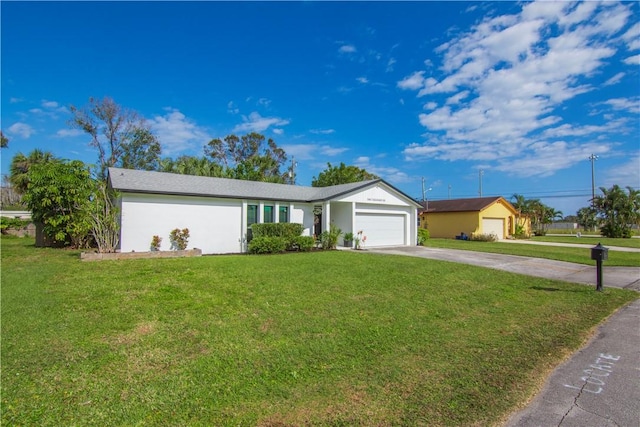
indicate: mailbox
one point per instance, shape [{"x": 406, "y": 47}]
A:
[{"x": 599, "y": 253}]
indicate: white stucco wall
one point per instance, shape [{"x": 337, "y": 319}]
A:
[
  {"x": 342, "y": 216},
  {"x": 215, "y": 225},
  {"x": 302, "y": 213}
]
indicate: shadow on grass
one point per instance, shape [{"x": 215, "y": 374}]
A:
[{"x": 550, "y": 289}]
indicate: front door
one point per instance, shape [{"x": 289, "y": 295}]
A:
[{"x": 317, "y": 221}]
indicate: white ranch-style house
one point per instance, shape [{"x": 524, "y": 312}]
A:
[{"x": 219, "y": 212}]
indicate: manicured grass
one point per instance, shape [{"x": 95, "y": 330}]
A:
[
  {"x": 589, "y": 240},
  {"x": 560, "y": 253},
  {"x": 634, "y": 232},
  {"x": 326, "y": 338}
]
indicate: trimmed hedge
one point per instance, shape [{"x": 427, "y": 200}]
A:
[
  {"x": 287, "y": 230},
  {"x": 267, "y": 245},
  {"x": 273, "y": 238},
  {"x": 303, "y": 243}
]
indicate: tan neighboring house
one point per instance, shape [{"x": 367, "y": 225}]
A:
[{"x": 475, "y": 216}]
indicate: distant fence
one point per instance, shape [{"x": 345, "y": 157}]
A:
[
  {"x": 16, "y": 214},
  {"x": 563, "y": 226}
]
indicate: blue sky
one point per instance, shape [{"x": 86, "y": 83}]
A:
[{"x": 525, "y": 92}]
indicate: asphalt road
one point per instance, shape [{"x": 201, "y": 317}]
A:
[{"x": 599, "y": 385}]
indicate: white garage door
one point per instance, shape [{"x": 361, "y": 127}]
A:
[
  {"x": 493, "y": 226},
  {"x": 381, "y": 229}
]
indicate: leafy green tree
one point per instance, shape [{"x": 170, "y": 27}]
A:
[
  {"x": 619, "y": 210},
  {"x": 335, "y": 175},
  {"x": 21, "y": 164},
  {"x": 587, "y": 218},
  {"x": 142, "y": 153},
  {"x": 4, "y": 141},
  {"x": 121, "y": 136},
  {"x": 57, "y": 195},
  {"x": 250, "y": 157},
  {"x": 191, "y": 165}
]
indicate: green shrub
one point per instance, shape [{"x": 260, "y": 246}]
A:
[
  {"x": 267, "y": 245},
  {"x": 484, "y": 237},
  {"x": 329, "y": 238},
  {"x": 302, "y": 243},
  {"x": 520, "y": 232},
  {"x": 6, "y": 222},
  {"x": 423, "y": 236},
  {"x": 287, "y": 230}
]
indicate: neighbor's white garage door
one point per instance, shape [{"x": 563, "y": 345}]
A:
[
  {"x": 381, "y": 229},
  {"x": 493, "y": 226}
]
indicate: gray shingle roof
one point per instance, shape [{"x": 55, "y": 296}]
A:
[{"x": 137, "y": 181}]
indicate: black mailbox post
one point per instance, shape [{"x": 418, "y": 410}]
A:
[{"x": 599, "y": 253}]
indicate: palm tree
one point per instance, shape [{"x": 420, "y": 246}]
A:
[
  {"x": 618, "y": 210},
  {"x": 20, "y": 165},
  {"x": 587, "y": 218}
]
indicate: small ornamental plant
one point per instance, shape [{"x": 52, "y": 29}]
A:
[
  {"x": 179, "y": 239},
  {"x": 156, "y": 241}
]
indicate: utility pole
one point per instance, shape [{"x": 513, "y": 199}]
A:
[
  {"x": 480, "y": 173},
  {"x": 449, "y": 192},
  {"x": 593, "y": 158},
  {"x": 424, "y": 195}
]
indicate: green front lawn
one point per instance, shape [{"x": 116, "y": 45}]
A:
[
  {"x": 325, "y": 338},
  {"x": 589, "y": 240},
  {"x": 560, "y": 253}
]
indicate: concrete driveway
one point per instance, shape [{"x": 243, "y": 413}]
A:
[
  {"x": 617, "y": 277},
  {"x": 598, "y": 385}
]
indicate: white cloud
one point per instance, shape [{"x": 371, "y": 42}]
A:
[
  {"x": 631, "y": 105},
  {"x": 256, "y": 123},
  {"x": 312, "y": 151},
  {"x": 363, "y": 80},
  {"x": 177, "y": 133},
  {"x": 627, "y": 174},
  {"x": 390, "y": 174},
  {"x": 322, "y": 131},
  {"x": 455, "y": 99},
  {"x": 21, "y": 130},
  {"x": 264, "y": 102},
  {"x": 508, "y": 78},
  {"x": 232, "y": 108},
  {"x": 14, "y": 100},
  {"x": 278, "y": 131},
  {"x": 548, "y": 157},
  {"x": 50, "y": 104},
  {"x": 412, "y": 82},
  {"x": 615, "y": 79},
  {"x": 632, "y": 60},
  {"x": 566, "y": 130},
  {"x": 347, "y": 48},
  {"x": 69, "y": 133},
  {"x": 632, "y": 37},
  {"x": 327, "y": 150},
  {"x": 390, "y": 65}
]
